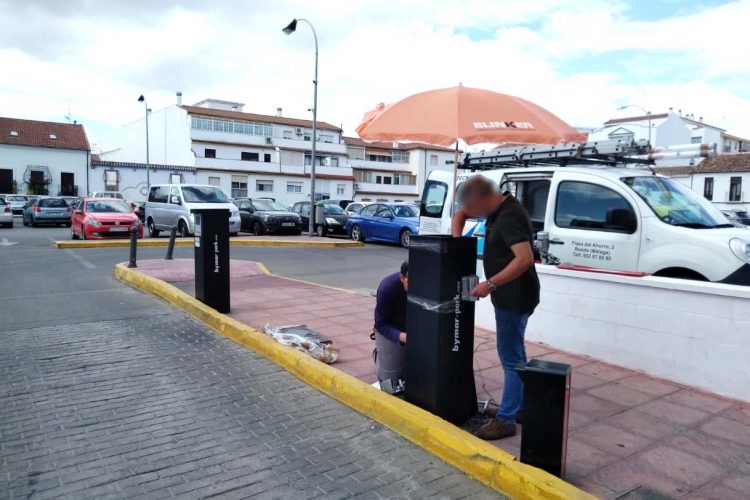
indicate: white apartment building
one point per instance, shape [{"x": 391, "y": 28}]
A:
[
  {"x": 246, "y": 154},
  {"x": 669, "y": 129},
  {"x": 724, "y": 179},
  {"x": 39, "y": 157},
  {"x": 391, "y": 171}
]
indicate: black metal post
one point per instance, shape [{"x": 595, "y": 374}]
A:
[
  {"x": 133, "y": 247},
  {"x": 170, "y": 247}
]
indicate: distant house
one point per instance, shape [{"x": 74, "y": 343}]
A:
[
  {"x": 724, "y": 179},
  {"x": 39, "y": 157}
]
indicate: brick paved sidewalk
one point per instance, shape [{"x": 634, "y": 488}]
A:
[
  {"x": 161, "y": 406},
  {"x": 630, "y": 434}
]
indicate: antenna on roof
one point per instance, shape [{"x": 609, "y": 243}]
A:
[{"x": 69, "y": 116}]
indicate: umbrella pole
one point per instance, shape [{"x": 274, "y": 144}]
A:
[{"x": 455, "y": 176}]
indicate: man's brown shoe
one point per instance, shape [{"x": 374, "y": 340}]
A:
[{"x": 496, "y": 429}]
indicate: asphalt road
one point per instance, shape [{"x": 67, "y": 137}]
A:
[{"x": 109, "y": 393}]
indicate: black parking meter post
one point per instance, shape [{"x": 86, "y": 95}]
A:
[
  {"x": 170, "y": 247},
  {"x": 212, "y": 257},
  {"x": 133, "y": 247},
  {"x": 544, "y": 434},
  {"x": 440, "y": 327}
]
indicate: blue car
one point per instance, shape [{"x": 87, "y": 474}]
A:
[{"x": 391, "y": 222}]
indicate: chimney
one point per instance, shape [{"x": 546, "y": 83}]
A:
[
  {"x": 179, "y": 98},
  {"x": 700, "y": 119},
  {"x": 279, "y": 112},
  {"x": 671, "y": 109},
  {"x": 680, "y": 112}
]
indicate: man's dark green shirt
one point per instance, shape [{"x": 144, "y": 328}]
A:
[{"x": 508, "y": 225}]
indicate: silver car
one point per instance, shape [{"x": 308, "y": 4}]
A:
[
  {"x": 6, "y": 214},
  {"x": 50, "y": 210},
  {"x": 16, "y": 202},
  {"x": 170, "y": 205}
]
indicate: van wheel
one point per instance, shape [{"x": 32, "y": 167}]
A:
[
  {"x": 258, "y": 229},
  {"x": 320, "y": 231},
  {"x": 182, "y": 230},
  {"x": 405, "y": 237},
  {"x": 357, "y": 233},
  {"x": 152, "y": 231}
]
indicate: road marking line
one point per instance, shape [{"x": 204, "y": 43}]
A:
[
  {"x": 6, "y": 243},
  {"x": 85, "y": 263}
]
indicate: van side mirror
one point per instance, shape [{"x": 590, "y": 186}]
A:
[{"x": 175, "y": 200}]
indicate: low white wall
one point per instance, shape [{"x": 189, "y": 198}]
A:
[{"x": 693, "y": 333}]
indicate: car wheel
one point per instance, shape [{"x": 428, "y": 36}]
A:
[
  {"x": 152, "y": 231},
  {"x": 321, "y": 231},
  {"x": 357, "y": 233},
  {"x": 405, "y": 237},
  {"x": 83, "y": 232},
  {"x": 68, "y": 224},
  {"x": 73, "y": 234},
  {"x": 33, "y": 223},
  {"x": 25, "y": 224},
  {"x": 258, "y": 229},
  {"x": 182, "y": 230},
  {"x": 234, "y": 234},
  {"x": 297, "y": 232}
]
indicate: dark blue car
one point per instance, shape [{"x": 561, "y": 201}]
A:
[{"x": 391, "y": 222}]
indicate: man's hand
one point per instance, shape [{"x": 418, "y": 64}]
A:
[
  {"x": 481, "y": 290},
  {"x": 402, "y": 337}
]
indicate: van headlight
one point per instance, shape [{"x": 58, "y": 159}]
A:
[{"x": 740, "y": 248}]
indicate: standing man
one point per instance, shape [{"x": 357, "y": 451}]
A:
[
  {"x": 390, "y": 326},
  {"x": 511, "y": 281}
]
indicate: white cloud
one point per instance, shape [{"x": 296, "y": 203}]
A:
[{"x": 581, "y": 59}]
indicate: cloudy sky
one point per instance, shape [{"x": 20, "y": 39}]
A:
[{"x": 579, "y": 58}]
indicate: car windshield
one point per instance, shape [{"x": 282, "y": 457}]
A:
[
  {"x": 268, "y": 205},
  {"x": 675, "y": 204},
  {"x": 405, "y": 211},
  {"x": 16, "y": 198},
  {"x": 107, "y": 206},
  {"x": 333, "y": 210},
  {"x": 204, "y": 194},
  {"x": 53, "y": 203}
]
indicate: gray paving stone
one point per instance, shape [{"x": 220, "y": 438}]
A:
[{"x": 162, "y": 407}]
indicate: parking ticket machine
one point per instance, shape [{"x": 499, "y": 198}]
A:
[{"x": 212, "y": 257}]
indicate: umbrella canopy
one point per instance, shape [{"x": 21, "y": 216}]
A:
[{"x": 445, "y": 116}]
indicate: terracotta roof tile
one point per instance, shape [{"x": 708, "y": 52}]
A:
[
  {"x": 128, "y": 164},
  {"x": 253, "y": 117},
  {"x": 37, "y": 134},
  {"x": 723, "y": 163}
]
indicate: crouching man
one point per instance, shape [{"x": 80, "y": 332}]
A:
[
  {"x": 511, "y": 281},
  {"x": 390, "y": 328}
]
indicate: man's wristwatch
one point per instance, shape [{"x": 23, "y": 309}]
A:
[{"x": 491, "y": 286}]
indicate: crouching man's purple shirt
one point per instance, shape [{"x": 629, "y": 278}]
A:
[{"x": 390, "y": 309}]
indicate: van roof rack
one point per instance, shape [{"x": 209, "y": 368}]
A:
[{"x": 602, "y": 153}]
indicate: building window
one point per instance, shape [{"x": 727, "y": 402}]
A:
[
  {"x": 307, "y": 136},
  {"x": 293, "y": 187},
  {"x": 239, "y": 186},
  {"x": 264, "y": 186},
  {"x": 367, "y": 199},
  {"x": 111, "y": 180},
  {"x": 382, "y": 158},
  {"x": 214, "y": 181},
  {"x": 209, "y": 153},
  {"x": 735, "y": 189},
  {"x": 326, "y": 138},
  {"x": 247, "y": 156},
  {"x": 405, "y": 179},
  {"x": 231, "y": 126},
  {"x": 708, "y": 188},
  {"x": 400, "y": 157},
  {"x": 378, "y": 179},
  {"x": 267, "y": 157},
  {"x": 387, "y": 180},
  {"x": 319, "y": 160},
  {"x": 292, "y": 158},
  {"x": 696, "y": 140},
  {"x": 363, "y": 176},
  {"x": 288, "y": 134},
  {"x": 355, "y": 153},
  {"x": 175, "y": 178},
  {"x": 340, "y": 188},
  {"x": 433, "y": 160}
]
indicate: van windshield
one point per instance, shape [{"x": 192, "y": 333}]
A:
[
  {"x": 204, "y": 194},
  {"x": 676, "y": 204}
]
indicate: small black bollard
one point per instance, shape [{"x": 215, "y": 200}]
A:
[
  {"x": 133, "y": 246},
  {"x": 170, "y": 247}
]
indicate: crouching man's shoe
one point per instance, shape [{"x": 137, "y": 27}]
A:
[{"x": 496, "y": 429}]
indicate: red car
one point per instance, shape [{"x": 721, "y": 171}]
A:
[{"x": 100, "y": 218}]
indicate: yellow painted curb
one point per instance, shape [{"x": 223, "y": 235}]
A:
[
  {"x": 479, "y": 459},
  {"x": 189, "y": 242}
]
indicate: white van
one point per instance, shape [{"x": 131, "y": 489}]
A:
[
  {"x": 170, "y": 205},
  {"x": 612, "y": 218}
]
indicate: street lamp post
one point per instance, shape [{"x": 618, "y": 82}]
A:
[
  {"x": 289, "y": 29},
  {"x": 148, "y": 159},
  {"x": 648, "y": 115}
]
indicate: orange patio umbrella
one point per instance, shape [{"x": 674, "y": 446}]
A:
[{"x": 445, "y": 116}]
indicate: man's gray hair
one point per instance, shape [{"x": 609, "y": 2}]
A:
[{"x": 476, "y": 187}]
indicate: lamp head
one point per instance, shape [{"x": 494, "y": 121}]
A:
[
  {"x": 141, "y": 98},
  {"x": 291, "y": 27},
  {"x": 622, "y": 107}
]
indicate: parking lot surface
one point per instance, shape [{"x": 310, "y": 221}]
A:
[{"x": 110, "y": 394}]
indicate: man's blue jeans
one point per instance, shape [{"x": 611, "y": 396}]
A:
[{"x": 511, "y": 328}]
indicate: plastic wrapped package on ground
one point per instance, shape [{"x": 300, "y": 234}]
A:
[{"x": 304, "y": 339}]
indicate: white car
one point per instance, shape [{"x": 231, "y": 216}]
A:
[
  {"x": 612, "y": 218},
  {"x": 107, "y": 194},
  {"x": 6, "y": 214}
]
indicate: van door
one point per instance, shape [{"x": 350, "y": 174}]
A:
[
  {"x": 175, "y": 207},
  {"x": 592, "y": 222}
]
